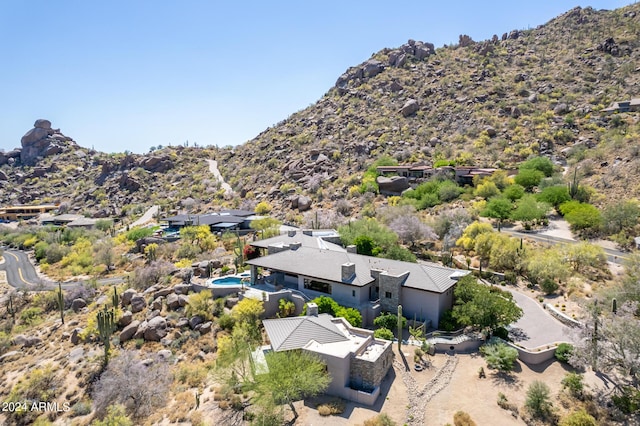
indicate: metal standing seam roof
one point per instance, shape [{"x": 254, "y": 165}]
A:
[
  {"x": 327, "y": 265},
  {"x": 299, "y": 237},
  {"x": 296, "y": 332}
]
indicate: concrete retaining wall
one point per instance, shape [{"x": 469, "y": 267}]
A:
[{"x": 565, "y": 319}]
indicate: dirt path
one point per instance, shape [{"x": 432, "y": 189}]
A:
[
  {"x": 213, "y": 168},
  {"x": 146, "y": 217}
]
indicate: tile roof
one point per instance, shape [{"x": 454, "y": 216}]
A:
[
  {"x": 299, "y": 237},
  {"x": 327, "y": 265},
  {"x": 296, "y": 332}
]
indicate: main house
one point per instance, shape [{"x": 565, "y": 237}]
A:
[
  {"x": 356, "y": 361},
  {"x": 370, "y": 284}
]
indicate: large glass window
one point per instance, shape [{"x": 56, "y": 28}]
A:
[{"x": 319, "y": 286}]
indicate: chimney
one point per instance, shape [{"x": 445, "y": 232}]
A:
[
  {"x": 291, "y": 233},
  {"x": 352, "y": 249},
  {"x": 295, "y": 246},
  {"x": 348, "y": 271},
  {"x": 312, "y": 309}
]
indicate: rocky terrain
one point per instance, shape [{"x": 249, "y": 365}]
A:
[{"x": 486, "y": 103}]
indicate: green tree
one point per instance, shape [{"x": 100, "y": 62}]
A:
[
  {"x": 471, "y": 232},
  {"x": 247, "y": 312},
  {"x": 513, "y": 192},
  {"x": 582, "y": 217},
  {"x": 486, "y": 190},
  {"x": 267, "y": 226},
  {"x": 554, "y": 195},
  {"x": 583, "y": 255},
  {"x": 498, "y": 208},
  {"x": 292, "y": 375},
  {"x": 481, "y": 306},
  {"x": 541, "y": 164},
  {"x": 528, "y": 178},
  {"x": 499, "y": 356},
  {"x": 366, "y": 246},
  {"x": 528, "y": 210},
  {"x": 543, "y": 265},
  {"x": 538, "y": 400}
]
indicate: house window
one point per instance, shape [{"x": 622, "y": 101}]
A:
[
  {"x": 387, "y": 294},
  {"x": 317, "y": 286},
  {"x": 353, "y": 293}
]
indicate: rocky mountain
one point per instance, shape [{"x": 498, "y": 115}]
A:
[{"x": 539, "y": 91}]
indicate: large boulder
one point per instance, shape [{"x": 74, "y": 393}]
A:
[
  {"x": 78, "y": 304},
  {"x": 182, "y": 288},
  {"x": 304, "y": 203},
  {"x": 138, "y": 303},
  {"x": 156, "y": 329},
  {"x": 173, "y": 302},
  {"x": 125, "y": 319},
  {"x": 129, "y": 331},
  {"x": 127, "y": 295},
  {"x": 392, "y": 185},
  {"x": 409, "y": 108},
  {"x": 195, "y": 320}
]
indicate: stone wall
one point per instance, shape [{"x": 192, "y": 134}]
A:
[
  {"x": 368, "y": 375},
  {"x": 390, "y": 284}
]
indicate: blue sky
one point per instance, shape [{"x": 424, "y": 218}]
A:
[{"x": 127, "y": 75}]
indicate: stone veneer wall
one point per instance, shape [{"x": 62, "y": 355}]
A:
[
  {"x": 393, "y": 285},
  {"x": 368, "y": 375}
]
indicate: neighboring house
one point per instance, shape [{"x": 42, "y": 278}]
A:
[
  {"x": 356, "y": 361},
  {"x": 623, "y": 106},
  {"x": 370, "y": 284},
  {"x": 320, "y": 239},
  {"x": 225, "y": 220},
  {"x": 23, "y": 212},
  {"x": 462, "y": 174},
  {"x": 70, "y": 220}
]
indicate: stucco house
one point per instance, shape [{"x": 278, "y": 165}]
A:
[
  {"x": 356, "y": 361},
  {"x": 370, "y": 284}
]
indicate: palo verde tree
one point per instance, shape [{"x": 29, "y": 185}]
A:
[{"x": 483, "y": 307}]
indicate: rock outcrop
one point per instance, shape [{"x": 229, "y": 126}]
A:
[{"x": 42, "y": 141}]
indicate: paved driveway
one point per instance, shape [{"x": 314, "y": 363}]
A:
[{"x": 537, "y": 327}]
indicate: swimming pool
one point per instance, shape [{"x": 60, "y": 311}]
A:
[{"x": 231, "y": 280}]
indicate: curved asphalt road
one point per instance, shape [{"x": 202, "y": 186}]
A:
[{"x": 21, "y": 274}]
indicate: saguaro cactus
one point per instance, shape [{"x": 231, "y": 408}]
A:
[
  {"x": 106, "y": 326},
  {"x": 61, "y": 302},
  {"x": 10, "y": 308},
  {"x": 115, "y": 299},
  {"x": 614, "y": 306},
  {"x": 399, "y": 327}
]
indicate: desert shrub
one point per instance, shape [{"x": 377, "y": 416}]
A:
[
  {"x": 5, "y": 342},
  {"x": 226, "y": 322},
  {"x": 31, "y": 316},
  {"x": 144, "y": 387},
  {"x": 81, "y": 408},
  {"x": 628, "y": 400},
  {"x": 504, "y": 403},
  {"x": 383, "y": 333},
  {"x": 47, "y": 300},
  {"x": 578, "y": 418},
  {"x": 352, "y": 315},
  {"x": 563, "y": 352},
  {"x": 538, "y": 400},
  {"x": 499, "y": 356},
  {"x": 137, "y": 233},
  {"x": 460, "y": 418},
  {"x": 192, "y": 375},
  {"x": 331, "y": 408},
  {"x": 573, "y": 383},
  {"x": 381, "y": 419},
  {"x": 201, "y": 304},
  {"x": 447, "y": 321},
  {"x": 549, "y": 286},
  {"x": 55, "y": 252},
  {"x": 143, "y": 278},
  {"x": 263, "y": 208},
  {"x": 40, "y": 384},
  {"x": 286, "y": 308},
  {"x": 116, "y": 416}
]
